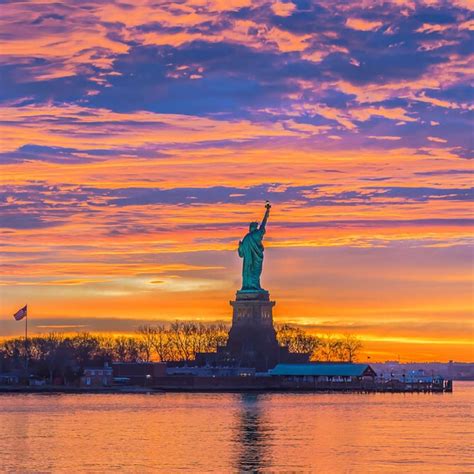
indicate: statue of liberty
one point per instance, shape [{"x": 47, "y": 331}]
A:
[{"x": 251, "y": 250}]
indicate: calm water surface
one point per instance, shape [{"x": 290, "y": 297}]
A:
[{"x": 325, "y": 433}]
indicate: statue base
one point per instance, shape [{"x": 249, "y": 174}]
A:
[
  {"x": 252, "y": 338},
  {"x": 252, "y": 341},
  {"x": 252, "y": 295}
]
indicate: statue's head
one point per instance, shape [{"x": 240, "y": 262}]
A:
[{"x": 253, "y": 226}]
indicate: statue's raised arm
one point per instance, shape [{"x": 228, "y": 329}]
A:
[{"x": 265, "y": 217}]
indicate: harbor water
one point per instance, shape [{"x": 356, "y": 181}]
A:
[{"x": 196, "y": 432}]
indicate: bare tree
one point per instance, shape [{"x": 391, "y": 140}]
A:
[
  {"x": 351, "y": 347},
  {"x": 129, "y": 349},
  {"x": 181, "y": 334},
  {"x": 329, "y": 349},
  {"x": 147, "y": 335},
  {"x": 49, "y": 351},
  {"x": 85, "y": 347},
  {"x": 216, "y": 336},
  {"x": 162, "y": 344},
  {"x": 13, "y": 350},
  {"x": 184, "y": 339},
  {"x": 297, "y": 340},
  {"x": 336, "y": 349}
]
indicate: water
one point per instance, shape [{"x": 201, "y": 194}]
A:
[{"x": 324, "y": 433}]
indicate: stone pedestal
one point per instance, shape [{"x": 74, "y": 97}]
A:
[{"x": 252, "y": 339}]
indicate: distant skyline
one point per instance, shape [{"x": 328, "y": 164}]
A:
[{"x": 139, "y": 139}]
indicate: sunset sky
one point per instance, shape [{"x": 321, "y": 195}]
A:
[{"x": 139, "y": 139}]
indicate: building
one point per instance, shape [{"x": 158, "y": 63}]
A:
[
  {"x": 35, "y": 381},
  {"x": 10, "y": 378},
  {"x": 399, "y": 371},
  {"x": 138, "y": 373},
  {"x": 97, "y": 376},
  {"x": 208, "y": 371},
  {"x": 324, "y": 372}
]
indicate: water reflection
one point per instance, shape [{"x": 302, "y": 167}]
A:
[{"x": 252, "y": 435}]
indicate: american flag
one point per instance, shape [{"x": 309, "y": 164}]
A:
[{"x": 21, "y": 313}]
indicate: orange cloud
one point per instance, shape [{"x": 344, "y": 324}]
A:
[
  {"x": 363, "y": 25},
  {"x": 437, "y": 139},
  {"x": 283, "y": 8}
]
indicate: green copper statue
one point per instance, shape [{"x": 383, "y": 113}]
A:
[{"x": 251, "y": 250}]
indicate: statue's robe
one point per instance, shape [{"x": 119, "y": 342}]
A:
[{"x": 251, "y": 250}]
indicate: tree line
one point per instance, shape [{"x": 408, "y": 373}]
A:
[
  {"x": 325, "y": 349},
  {"x": 56, "y": 354}
]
